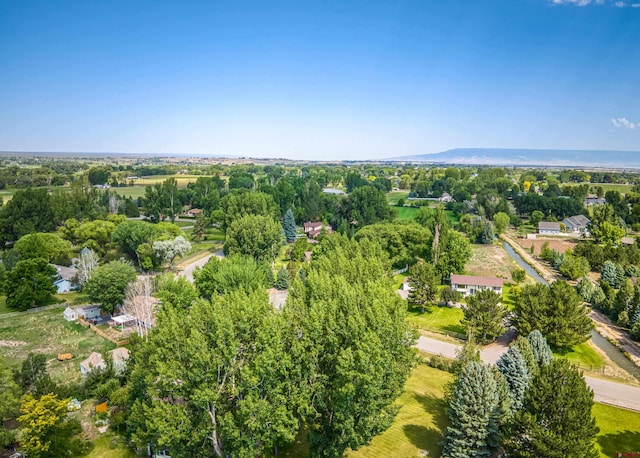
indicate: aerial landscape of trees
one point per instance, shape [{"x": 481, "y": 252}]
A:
[{"x": 256, "y": 335}]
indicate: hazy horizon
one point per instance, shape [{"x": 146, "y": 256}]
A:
[{"x": 319, "y": 81}]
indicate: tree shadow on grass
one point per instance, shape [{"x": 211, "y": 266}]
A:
[
  {"x": 424, "y": 438},
  {"x": 436, "y": 407},
  {"x": 620, "y": 442}
]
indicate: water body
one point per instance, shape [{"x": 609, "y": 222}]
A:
[
  {"x": 521, "y": 262},
  {"x": 603, "y": 344}
]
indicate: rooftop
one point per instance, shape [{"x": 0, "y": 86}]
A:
[
  {"x": 476, "y": 281},
  {"x": 550, "y": 226}
]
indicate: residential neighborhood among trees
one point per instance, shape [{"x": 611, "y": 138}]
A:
[{"x": 199, "y": 308}]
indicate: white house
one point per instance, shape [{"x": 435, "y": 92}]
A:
[
  {"x": 89, "y": 312},
  {"x": 70, "y": 314},
  {"x": 470, "y": 284},
  {"x": 548, "y": 228}
]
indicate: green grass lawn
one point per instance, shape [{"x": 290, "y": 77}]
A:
[
  {"x": 420, "y": 422},
  {"x": 438, "y": 319},
  {"x": 3, "y": 305},
  {"x": 74, "y": 298},
  {"x": 48, "y": 333},
  {"x": 582, "y": 355},
  {"x": 130, "y": 191},
  {"x": 393, "y": 196},
  {"x": 507, "y": 297},
  {"x": 406, "y": 212},
  {"x": 619, "y": 430},
  {"x": 451, "y": 217},
  {"x": 102, "y": 449}
]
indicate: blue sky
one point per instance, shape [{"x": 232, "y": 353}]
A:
[{"x": 318, "y": 80}]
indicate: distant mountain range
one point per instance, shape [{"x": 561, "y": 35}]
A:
[{"x": 534, "y": 157}]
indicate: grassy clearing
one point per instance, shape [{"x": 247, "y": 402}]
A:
[
  {"x": 393, "y": 196},
  {"x": 582, "y": 355},
  {"x": 406, "y": 213},
  {"x": 444, "y": 320},
  {"x": 451, "y": 217},
  {"x": 74, "y": 298},
  {"x": 130, "y": 191},
  {"x": 48, "y": 333},
  {"x": 420, "y": 422},
  {"x": 102, "y": 449},
  {"x": 490, "y": 261},
  {"x": 619, "y": 430}
]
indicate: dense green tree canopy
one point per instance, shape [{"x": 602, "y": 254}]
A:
[
  {"x": 30, "y": 284},
  {"x": 556, "y": 311},
  {"x": 233, "y": 273},
  {"x": 254, "y": 235},
  {"x": 108, "y": 282},
  {"x": 28, "y": 211},
  {"x": 484, "y": 315}
]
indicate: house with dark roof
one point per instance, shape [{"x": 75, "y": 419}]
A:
[
  {"x": 577, "y": 224},
  {"x": 471, "y": 284}
]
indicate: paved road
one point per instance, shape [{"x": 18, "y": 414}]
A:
[
  {"x": 604, "y": 391},
  {"x": 187, "y": 272}
]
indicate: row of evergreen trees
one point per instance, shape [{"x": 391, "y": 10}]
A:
[{"x": 527, "y": 405}]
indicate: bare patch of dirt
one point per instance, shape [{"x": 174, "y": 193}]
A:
[
  {"x": 490, "y": 261},
  {"x": 11, "y": 343},
  {"x": 560, "y": 245}
]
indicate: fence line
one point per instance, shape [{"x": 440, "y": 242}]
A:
[
  {"x": 34, "y": 310},
  {"x": 101, "y": 333}
]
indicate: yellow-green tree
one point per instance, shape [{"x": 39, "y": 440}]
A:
[{"x": 46, "y": 430}]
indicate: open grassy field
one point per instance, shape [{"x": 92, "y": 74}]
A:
[
  {"x": 559, "y": 244},
  {"x": 48, "y": 333},
  {"x": 490, "y": 261},
  {"x": 444, "y": 320},
  {"x": 393, "y": 196},
  {"x": 407, "y": 213}
]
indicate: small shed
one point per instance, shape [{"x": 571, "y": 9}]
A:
[
  {"x": 70, "y": 314},
  {"x": 89, "y": 312}
]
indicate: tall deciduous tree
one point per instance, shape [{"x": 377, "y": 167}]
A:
[
  {"x": 42, "y": 245},
  {"x": 254, "y": 235},
  {"x": 500, "y": 221},
  {"x": 217, "y": 380},
  {"x": 289, "y": 226},
  {"x": 424, "y": 282},
  {"x": 235, "y": 272},
  {"x": 556, "y": 311},
  {"x": 30, "y": 284},
  {"x": 473, "y": 415},
  {"x": 86, "y": 262},
  {"x": 108, "y": 282},
  {"x": 484, "y": 315},
  {"x": 27, "y": 212},
  {"x": 555, "y": 420},
  {"x": 47, "y": 430},
  {"x": 347, "y": 324},
  {"x": 168, "y": 250}
]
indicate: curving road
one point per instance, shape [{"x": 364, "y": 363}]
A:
[
  {"x": 604, "y": 391},
  {"x": 187, "y": 272}
]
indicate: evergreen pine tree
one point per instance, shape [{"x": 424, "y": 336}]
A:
[
  {"x": 514, "y": 368},
  {"x": 473, "y": 415},
  {"x": 540, "y": 348},
  {"x": 522, "y": 344},
  {"x": 555, "y": 420},
  {"x": 282, "y": 278},
  {"x": 289, "y": 226}
]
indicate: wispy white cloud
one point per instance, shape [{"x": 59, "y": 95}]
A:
[
  {"x": 620, "y": 4},
  {"x": 624, "y": 123}
]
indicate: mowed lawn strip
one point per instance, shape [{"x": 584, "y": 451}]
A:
[
  {"x": 438, "y": 319},
  {"x": 420, "y": 422},
  {"x": 619, "y": 430}
]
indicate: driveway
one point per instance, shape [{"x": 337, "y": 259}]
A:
[
  {"x": 604, "y": 391},
  {"x": 187, "y": 272}
]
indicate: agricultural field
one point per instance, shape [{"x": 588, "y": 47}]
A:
[
  {"x": 48, "y": 333},
  {"x": 559, "y": 244}
]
